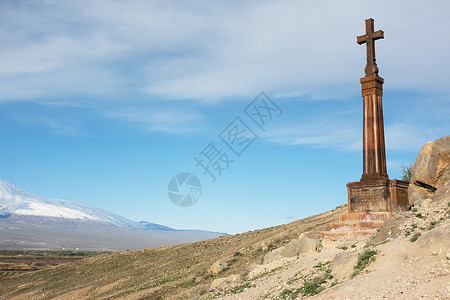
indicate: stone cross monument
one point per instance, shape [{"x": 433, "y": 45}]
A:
[
  {"x": 374, "y": 192},
  {"x": 374, "y": 156}
]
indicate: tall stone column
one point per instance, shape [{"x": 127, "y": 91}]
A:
[{"x": 374, "y": 154}]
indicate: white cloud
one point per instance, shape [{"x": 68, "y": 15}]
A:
[
  {"x": 320, "y": 134},
  {"x": 342, "y": 135},
  {"x": 404, "y": 136},
  {"x": 173, "y": 121},
  {"x": 204, "y": 51},
  {"x": 67, "y": 128},
  {"x": 96, "y": 52}
]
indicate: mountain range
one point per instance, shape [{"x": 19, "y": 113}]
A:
[{"x": 28, "y": 221}]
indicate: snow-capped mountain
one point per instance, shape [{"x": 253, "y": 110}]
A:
[
  {"x": 28, "y": 221},
  {"x": 15, "y": 201}
]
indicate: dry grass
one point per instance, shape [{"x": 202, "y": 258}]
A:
[{"x": 177, "y": 272}]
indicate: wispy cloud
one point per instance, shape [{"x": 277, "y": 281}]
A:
[
  {"x": 405, "y": 136},
  {"x": 173, "y": 121},
  {"x": 348, "y": 137},
  {"x": 91, "y": 53},
  {"x": 208, "y": 52},
  {"x": 67, "y": 128},
  {"x": 320, "y": 134}
]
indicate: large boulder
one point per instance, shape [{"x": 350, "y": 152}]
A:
[
  {"x": 219, "y": 266},
  {"x": 309, "y": 235},
  {"x": 431, "y": 167},
  {"x": 442, "y": 193},
  {"x": 225, "y": 282},
  {"x": 293, "y": 249},
  {"x": 436, "y": 240}
]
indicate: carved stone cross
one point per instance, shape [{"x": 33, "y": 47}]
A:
[{"x": 369, "y": 38}]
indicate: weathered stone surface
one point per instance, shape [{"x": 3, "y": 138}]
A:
[
  {"x": 377, "y": 195},
  {"x": 309, "y": 234},
  {"x": 292, "y": 249},
  {"x": 436, "y": 240},
  {"x": 219, "y": 266},
  {"x": 342, "y": 265},
  {"x": 369, "y": 39},
  {"x": 432, "y": 167},
  {"x": 417, "y": 194},
  {"x": 272, "y": 256},
  {"x": 426, "y": 202},
  {"x": 264, "y": 246},
  {"x": 341, "y": 258},
  {"x": 225, "y": 282},
  {"x": 295, "y": 247},
  {"x": 442, "y": 193}
]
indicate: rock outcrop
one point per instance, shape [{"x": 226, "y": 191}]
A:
[
  {"x": 432, "y": 168},
  {"x": 219, "y": 266},
  {"x": 225, "y": 282},
  {"x": 293, "y": 249}
]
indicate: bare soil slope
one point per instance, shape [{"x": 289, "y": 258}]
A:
[{"x": 175, "y": 272}]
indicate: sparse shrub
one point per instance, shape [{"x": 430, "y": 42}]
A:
[
  {"x": 414, "y": 237},
  {"x": 432, "y": 225},
  {"x": 289, "y": 294},
  {"x": 327, "y": 274},
  {"x": 364, "y": 259},
  {"x": 414, "y": 209},
  {"x": 240, "y": 288},
  {"x": 258, "y": 252},
  {"x": 381, "y": 243},
  {"x": 420, "y": 216},
  {"x": 292, "y": 280},
  {"x": 321, "y": 265},
  {"x": 406, "y": 172},
  {"x": 313, "y": 286}
]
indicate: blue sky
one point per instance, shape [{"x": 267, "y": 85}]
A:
[{"x": 103, "y": 102}]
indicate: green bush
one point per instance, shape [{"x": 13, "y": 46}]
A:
[
  {"x": 289, "y": 294},
  {"x": 414, "y": 237},
  {"x": 313, "y": 286},
  {"x": 364, "y": 259}
]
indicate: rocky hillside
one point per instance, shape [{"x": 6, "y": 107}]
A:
[
  {"x": 409, "y": 258},
  {"x": 175, "y": 272}
]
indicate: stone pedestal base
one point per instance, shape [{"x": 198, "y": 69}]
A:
[{"x": 381, "y": 195}]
